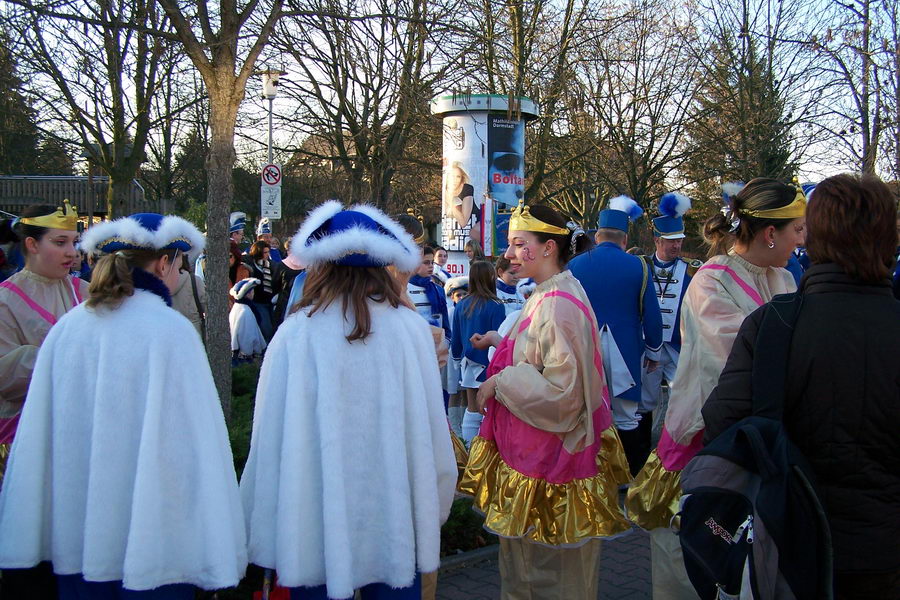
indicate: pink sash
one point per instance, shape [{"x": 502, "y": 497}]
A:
[
  {"x": 675, "y": 456},
  {"x": 750, "y": 291},
  {"x": 44, "y": 313},
  {"x": 8, "y": 426},
  {"x": 531, "y": 451}
]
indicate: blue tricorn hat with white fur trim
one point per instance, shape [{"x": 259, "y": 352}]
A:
[
  {"x": 243, "y": 287},
  {"x": 361, "y": 236},
  {"x": 143, "y": 231}
]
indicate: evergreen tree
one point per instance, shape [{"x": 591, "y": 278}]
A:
[
  {"x": 19, "y": 136},
  {"x": 741, "y": 128},
  {"x": 53, "y": 159},
  {"x": 190, "y": 170}
]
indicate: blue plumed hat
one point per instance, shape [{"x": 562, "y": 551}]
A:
[
  {"x": 236, "y": 222},
  {"x": 808, "y": 189},
  {"x": 264, "y": 226},
  {"x": 362, "y": 236},
  {"x": 670, "y": 224},
  {"x": 621, "y": 212},
  {"x": 143, "y": 231},
  {"x": 730, "y": 190}
]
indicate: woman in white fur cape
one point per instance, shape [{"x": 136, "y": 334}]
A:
[
  {"x": 351, "y": 470},
  {"x": 121, "y": 474}
]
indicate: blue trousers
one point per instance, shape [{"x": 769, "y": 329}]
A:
[
  {"x": 74, "y": 587},
  {"x": 373, "y": 591}
]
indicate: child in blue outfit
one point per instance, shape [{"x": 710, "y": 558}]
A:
[
  {"x": 479, "y": 312},
  {"x": 428, "y": 297}
]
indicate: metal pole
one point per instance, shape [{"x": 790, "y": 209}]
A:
[{"x": 271, "y": 99}]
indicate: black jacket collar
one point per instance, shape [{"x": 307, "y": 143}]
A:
[{"x": 831, "y": 278}]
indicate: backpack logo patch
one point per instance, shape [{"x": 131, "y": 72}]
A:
[{"x": 718, "y": 530}]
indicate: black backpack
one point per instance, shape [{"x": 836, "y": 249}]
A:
[{"x": 750, "y": 516}]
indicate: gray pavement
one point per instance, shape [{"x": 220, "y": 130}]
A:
[{"x": 624, "y": 573}]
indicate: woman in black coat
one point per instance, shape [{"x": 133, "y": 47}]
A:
[{"x": 842, "y": 401}]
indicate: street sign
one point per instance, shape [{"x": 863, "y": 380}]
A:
[
  {"x": 271, "y": 175},
  {"x": 270, "y": 191},
  {"x": 271, "y": 201}
]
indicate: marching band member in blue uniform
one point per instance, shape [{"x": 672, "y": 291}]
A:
[
  {"x": 624, "y": 302},
  {"x": 428, "y": 297},
  {"x": 670, "y": 275}
]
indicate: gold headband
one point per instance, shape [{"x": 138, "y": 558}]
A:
[
  {"x": 794, "y": 210},
  {"x": 65, "y": 217},
  {"x": 521, "y": 220}
]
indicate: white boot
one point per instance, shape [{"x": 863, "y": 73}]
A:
[{"x": 471, "y": 423}]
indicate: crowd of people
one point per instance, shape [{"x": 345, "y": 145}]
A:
[{"x": 387, "y": 387}]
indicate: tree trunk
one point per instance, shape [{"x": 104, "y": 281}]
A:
[
  {"x": 117, "y": 196},
  {"x": 219, "y": 165}
]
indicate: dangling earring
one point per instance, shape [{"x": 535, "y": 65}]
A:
[{"x": 771, "y": 244}]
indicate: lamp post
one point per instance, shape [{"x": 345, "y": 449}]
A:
[
  {"x": 270, "y": 90},
  {"x": 270, "y": 186}
]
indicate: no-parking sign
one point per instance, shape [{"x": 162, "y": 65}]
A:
[{"x": 270, "y": 191}]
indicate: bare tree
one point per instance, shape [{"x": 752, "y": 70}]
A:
[
  {"x": 855, "y": 105},
  {"x": 530, "y": 48},
  {"x": 635, "y": 89},
  {"x": 891, "y": 104},
  {"x": 223, "y": 41},
  {"x": 366, "y": 73},
  {"x": 182, "y": 106},
  {"x": 103, "y": 91}
]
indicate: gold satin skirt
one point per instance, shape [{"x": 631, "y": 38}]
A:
[
  {"x": 653, "y": 498},
  {"x": 4, "y": 457},
  {"x": 518, "y": 506},
  {"x": 462, "y": 455}
]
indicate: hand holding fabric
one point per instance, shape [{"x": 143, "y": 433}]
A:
[
  {"x": 486, "y": 391},
  {"x": 483, "y": 341}
]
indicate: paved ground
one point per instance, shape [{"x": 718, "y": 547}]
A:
[{"x": 624, "y": 573}]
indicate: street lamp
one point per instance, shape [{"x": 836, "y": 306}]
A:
[{"x": 269, "y": 91}]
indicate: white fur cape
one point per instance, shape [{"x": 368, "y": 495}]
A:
[
  {"x": 121, "y": 468},
  {"x": 246, "y": 337},
  {"x": 351, "y": 470}
]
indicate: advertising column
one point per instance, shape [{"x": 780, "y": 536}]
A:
[{"x": 483, "y": 171}]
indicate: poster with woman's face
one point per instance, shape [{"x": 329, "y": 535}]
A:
[
  {"x": 506, "y": 147},
  {"x": 464, "y": 180}
]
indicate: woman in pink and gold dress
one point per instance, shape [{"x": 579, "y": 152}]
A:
[
  {"x": 546, "y": 464},
  {"x": 31, "y": 301}
]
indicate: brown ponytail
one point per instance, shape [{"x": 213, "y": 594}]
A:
[
  {"x": 112, "y": 281},
  {"x": 717, "y": 233},
  {"x": 761, "y": 193}
]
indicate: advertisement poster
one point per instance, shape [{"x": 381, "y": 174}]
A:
[
  {"x": 506, "y": 152},
  {"x": 506, "y": 174},
  {"x": 464, "y": 181}
]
